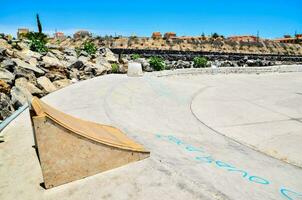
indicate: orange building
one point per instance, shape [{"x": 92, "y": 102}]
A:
[
  {"x": 59, "y": 35},
  {"x": 291, "y": 40},
  {"x": 156, "y": 35}
]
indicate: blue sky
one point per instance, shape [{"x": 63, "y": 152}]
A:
[{"x": 272, "y": 18}]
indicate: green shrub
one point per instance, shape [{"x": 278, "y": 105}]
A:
[
  {"x": 135, "y": 56},
  {"x": 114, "y": 68},
  {"x": 89, "y": 47},
  {"x": 37, "y": 41},
  {"x": 157, "y": 63},
  {"x": 200, "y": 62}
]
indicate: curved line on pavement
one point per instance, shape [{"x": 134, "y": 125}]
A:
[{"x": 232, "y": 139}]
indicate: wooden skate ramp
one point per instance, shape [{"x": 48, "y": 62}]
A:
[{"x": 70, "y": 148}]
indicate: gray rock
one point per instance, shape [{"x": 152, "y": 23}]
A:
[
  {"x": 54, "y": 76},
  {"x": 58, "y": 54},
  {"x": 70, "y": 52},
  {"x": 74, "y": 74},
  {"x": 108, "y": 55},
  {"x": 27, "y": 54},
  {"x": 100, "y": 69},
  {"x": 84, "y": 53},
  {"x": 25, "y": 85},
  {"x": 20, "y": 96},
  {"x": 6, "y": 107},
  {"x": 22, "y": 46},
  {"x": 103, "y": 61},
  {"x": 6, "y": 76},
  {"x": 251, "y": 63},
  {"x": 29, "y": 75},
  {"x": 25, "y": 65},
  {"x": 77, "y": 65},
  {"x": 62, "y": 83},
  {"x": 46, "y": 84},
  {"x": 145, "y": 64},
  {"x": 183, "y": 64},
  {"x": 84, "y": 59},
  {"x": 51, "y": 62},
  {"x": 70, "y": 59}
]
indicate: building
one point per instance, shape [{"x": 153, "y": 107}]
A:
[
  {"x": 169, "y": 35},
  {"x": 244, "y": 38},
  {"x": 81, "y": 34},
  {"x": 22, "y": 32},
  {"x": 156, "y": 35},
  {"x": 59, "y": 35},
  {"x": 290, "y": 40}
]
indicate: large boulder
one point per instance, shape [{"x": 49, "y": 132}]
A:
[
  {"x": 6, "y": 76},
  {"x": 48, "y": 61},
  {"x": 8, "y": 64},
  {"x": 28, "y": 74},
  {"x": 70, "y": 59},
  {"x": 25, "y": 85},
  {"x": 20, "y": 96},
  {"x": 78, "y": 64},
  {"x": 26, "y": 54},
  {"x": 25, "y": 65},
  {"x": 108, "y": 55},
  {"x": 59, "y": 54},
  {"x": 6, "y": 107},
  {"x": 46, "y": 84}
]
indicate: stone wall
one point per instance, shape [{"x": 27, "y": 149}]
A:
[{"x": 190, "y": 44}]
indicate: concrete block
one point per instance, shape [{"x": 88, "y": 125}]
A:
[{"x": 134, "y": 69}]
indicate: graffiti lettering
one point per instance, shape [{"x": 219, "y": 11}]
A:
[{"x": 288, "y": 194}]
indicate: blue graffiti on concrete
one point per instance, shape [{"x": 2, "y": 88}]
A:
[
  {"x": 208, "y": 159},
  {"x": 290, "y": 195}
]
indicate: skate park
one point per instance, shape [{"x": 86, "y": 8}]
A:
[{"x": 234, "y": 136}]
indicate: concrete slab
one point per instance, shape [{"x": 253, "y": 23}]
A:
[{"x": 189, "y": 159}]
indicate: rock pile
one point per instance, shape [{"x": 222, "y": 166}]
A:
[{"x": 24, "y": 73}]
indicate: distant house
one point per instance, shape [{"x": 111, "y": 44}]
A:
[
  {"x": 59, "y": 35},
  {"x": 244, "y": 38},
  {"x": 291, "y": 40},
  {"x": 169, "y": 35},
  {"x": 156, "y": 35},
  {"x": 22, "y": 32},
  {"x": 81, "y": 34}
]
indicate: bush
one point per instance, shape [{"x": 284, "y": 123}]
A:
[
  {"x": 135, "y": 56},
  {"x": 114, "y": 68},
  {"x": 89, "y": 47},
  {"x": 200, "y": 62},
  {"x": 37, "y": 41},
  {"x": 157, "y": 63}
]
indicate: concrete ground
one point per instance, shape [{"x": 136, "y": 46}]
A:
[{"x": 210, "y": 136}]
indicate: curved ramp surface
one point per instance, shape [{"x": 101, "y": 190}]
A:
[
  {"x": 70, "y": 148},
  {"x": 189, "y": 160}
]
